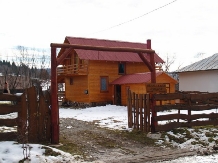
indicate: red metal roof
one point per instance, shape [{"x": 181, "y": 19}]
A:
[
  {"x": 109, "y": 56},
  {"x": 135, "y": 78}
]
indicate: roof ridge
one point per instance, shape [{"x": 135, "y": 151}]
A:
[
  {"x": 99, "y": 39},
  {"x": 199, "y": 63}
]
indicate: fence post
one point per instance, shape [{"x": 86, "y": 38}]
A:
[
  {"x": 129, "y": 107},
  {"x": 134, "y": 110},
  {"x": 148, "y": 112},
  {"x": 141, "y": 111},
  {"x": 137, "y": 111},
  {"x": 154, "y": 113}
]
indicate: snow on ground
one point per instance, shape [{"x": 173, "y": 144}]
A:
[{"x": 110, "y": 116}]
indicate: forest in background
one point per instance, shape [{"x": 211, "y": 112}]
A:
[{"x": 26, "y": 68}]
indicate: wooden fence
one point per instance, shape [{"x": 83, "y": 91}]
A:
[
  {"x": 189, "y": 102},
  {"x": 139, "y": 110},
  {"x": 33, "y": 121}
]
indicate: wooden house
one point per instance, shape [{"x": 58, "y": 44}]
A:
[
  {"x": 88, "y": 75},
  {"x": 200, "y": 76}
]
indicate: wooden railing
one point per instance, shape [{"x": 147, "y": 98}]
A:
[
  {"x": 191, "y": 104},
  {"x": 75, "y": 69}
]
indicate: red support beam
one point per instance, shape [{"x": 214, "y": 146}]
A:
[
  {"x": 102, "y": 48},
  {"x": 54, "y": 99},
  {"x": 64, "y": 55},
  {"x": 146, "y": 62},
  {"x": 153, "y": 80}
]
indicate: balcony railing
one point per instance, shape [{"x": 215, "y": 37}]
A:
[{"x": 75, "y": 69}]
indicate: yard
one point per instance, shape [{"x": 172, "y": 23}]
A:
[{"x": 100, "y": 134}]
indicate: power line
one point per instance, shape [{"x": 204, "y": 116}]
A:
[{"x": 136, "y": 17}]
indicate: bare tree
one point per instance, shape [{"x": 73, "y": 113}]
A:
[
  {"x": 169, "y": 61},
  {"x": 28, "y": 68}
]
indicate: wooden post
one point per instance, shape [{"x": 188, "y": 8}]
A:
[
  {"x": 153, "y": 80},
  {"x": 141, "y": 111},
  {"x": 54, "y": 99},
  {"x": 148, "y": 112}
]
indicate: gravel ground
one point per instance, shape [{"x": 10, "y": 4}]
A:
[{"x": 101, "y": 145}]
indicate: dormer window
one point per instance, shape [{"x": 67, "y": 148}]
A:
[{"x": 121, "y": 68}]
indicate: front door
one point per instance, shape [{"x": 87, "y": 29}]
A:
[{"x": 117, "y": 95}]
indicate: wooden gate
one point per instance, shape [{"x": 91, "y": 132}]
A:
[
  {"x": 139, "y": 111},
  {"x": 33, "y": 121}
]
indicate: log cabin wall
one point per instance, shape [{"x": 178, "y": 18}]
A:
[
  {"x": 139, "y": 88},
  {"x": 110, "y": 69},
  {"x": 96, "y": 70},
  {"x": 75, "y": 88},
  {"x": 136, "y": 67}
]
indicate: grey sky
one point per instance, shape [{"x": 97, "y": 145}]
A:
[{"x": 183, "y": 28}]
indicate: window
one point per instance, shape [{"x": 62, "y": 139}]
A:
[
  {"x": 168, "y": 87},
  {"x": 121, "y": 68},
  {"x": 103, "y": 83}
]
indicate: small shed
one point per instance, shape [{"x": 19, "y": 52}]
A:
[
  {"x": 137, "y": 83},
  {"x": 200, "y": 76}
]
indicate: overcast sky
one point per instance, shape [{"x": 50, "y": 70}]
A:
[{"x": 183, "y": 28}]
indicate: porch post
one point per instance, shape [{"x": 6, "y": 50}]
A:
[
  {"x": 54, "y": 99},
  {"x": 153, "y": 80}
]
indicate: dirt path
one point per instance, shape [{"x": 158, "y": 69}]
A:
[{"x": 99, "y": 144}]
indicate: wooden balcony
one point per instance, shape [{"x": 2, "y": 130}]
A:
[{"x": 73, "y": 70}]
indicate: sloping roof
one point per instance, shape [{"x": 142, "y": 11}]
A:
[
  {"x": 210, "y": 63},
  {"x": 136, "y": 78},
  {"x": 106, "y": 55}
]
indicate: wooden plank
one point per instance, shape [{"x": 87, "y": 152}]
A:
[
  {"x": 141, "y": 111},
  {"x": 130, "y": 121},
  {"x": 148, "y": 112},
  {"x": 48, "y": 125},
  {"x": 8, "y": 136},
  {"x": 170, "y": 96},
  {"x": 43, "y": 118},
  {"x": 145, "y": 113},
  {"x": 22, "y": 120},
  {"x": 184, "y": 107},
  {"x": 203, "y": 123},
  {"x": 7, "y": 109},
  {"x": 47, "y": 96},
  {"x": 137, "y": 111},
  {"x": 170, "y": 126},
  {"x": 33, "y": 115},
  {"x": 8, "y": 122},
  {"x": 9, "y": 97},
  {"x": 171, "y": 117},
  {"x": 134, "y": 109}
]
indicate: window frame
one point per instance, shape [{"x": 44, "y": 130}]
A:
[
  {"x": 107, "y": 84},
  {"x": 124, "y": 69}
]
